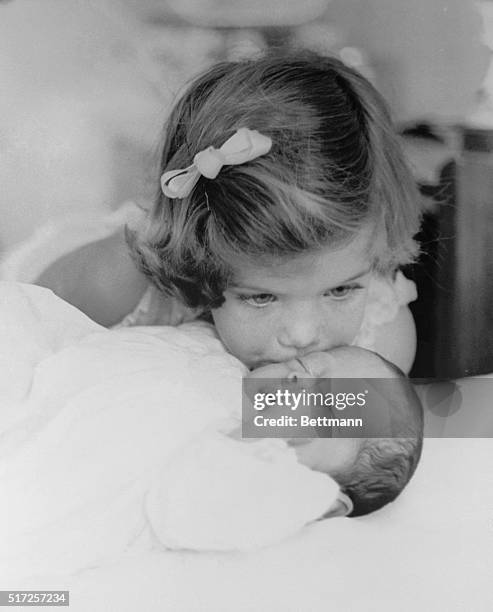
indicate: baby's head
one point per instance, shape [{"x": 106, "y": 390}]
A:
[{"x": 371, "y": 471}]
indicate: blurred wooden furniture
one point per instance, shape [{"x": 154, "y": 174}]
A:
[
  {"x": 454, "y": 312},
  {"x": 472, "y": 313}
]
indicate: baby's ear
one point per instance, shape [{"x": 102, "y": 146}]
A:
[{"x": 342, "y": 506}]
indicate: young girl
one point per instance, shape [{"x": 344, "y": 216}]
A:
[{"x": 284, "y": 212}]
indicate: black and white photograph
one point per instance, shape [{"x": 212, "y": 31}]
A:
[{"x": 246, "y": 305}]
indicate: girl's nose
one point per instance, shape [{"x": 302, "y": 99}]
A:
[{"x": 301, "y": 330}]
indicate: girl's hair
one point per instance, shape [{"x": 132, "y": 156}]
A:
[{"x": 335, "y": 166}]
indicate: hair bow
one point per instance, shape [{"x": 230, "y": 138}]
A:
[{"x": 243, "y": 146}]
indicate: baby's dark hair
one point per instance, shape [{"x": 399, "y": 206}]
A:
[
  {"x": 384, "y": 466},
  {"x": 382, "y": 470},
  {"x": 335, "y": 166}
]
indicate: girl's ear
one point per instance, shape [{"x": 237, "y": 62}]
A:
[{"x": 342, "y": 506}]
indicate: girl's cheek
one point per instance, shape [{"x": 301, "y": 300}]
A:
[
  {"x": 346, "y": 321},
  {"x": 356, "y": 307},
  {"x": 238, "y": 328}
]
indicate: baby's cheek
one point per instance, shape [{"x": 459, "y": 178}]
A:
[
  {"x": 306, "y": 451},
  {"x": 332, "y": 456}
]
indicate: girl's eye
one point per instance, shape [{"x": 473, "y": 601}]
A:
[
  {"x": 259, "y": 300},
  {"x": 344, "y": 291}
]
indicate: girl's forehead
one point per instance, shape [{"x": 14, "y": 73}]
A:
[{"x": 328, "y": 266}]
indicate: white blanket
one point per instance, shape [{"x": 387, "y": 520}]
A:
[
  {"x": 430, "y": 550},
  {"x": 114, "y": 439}
]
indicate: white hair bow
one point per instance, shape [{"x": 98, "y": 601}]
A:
[{"x": 243, "y": 146}]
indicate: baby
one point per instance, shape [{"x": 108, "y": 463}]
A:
[
  {"x": 229, "y": 490},
  {"x": 371, "y": 471},
  {"x": 125, "y": 447}
]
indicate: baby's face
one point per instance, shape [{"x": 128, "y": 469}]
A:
[{"x": 328, "y": 455}]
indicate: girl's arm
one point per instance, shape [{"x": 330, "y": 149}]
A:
[
  {"x": 396, "y": 340},
  {"x": 99, "y": 278}
]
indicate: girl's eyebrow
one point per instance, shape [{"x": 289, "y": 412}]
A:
[
  {"x": 237, "y": 285},
  {"x": 356, "y": 276}
]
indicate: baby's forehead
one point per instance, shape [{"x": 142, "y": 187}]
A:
[
  {"x": 339, "y": 362},
  {"x": 343, "y": 360}
]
